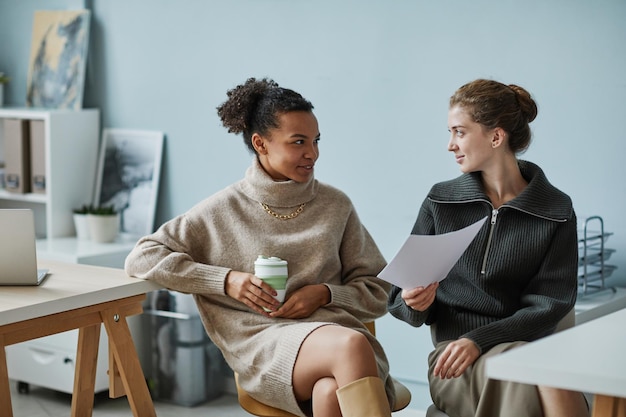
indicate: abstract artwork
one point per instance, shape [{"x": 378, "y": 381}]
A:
[
  {"x": 58, "y": 55},
  {"x": 128, "y": 177}
]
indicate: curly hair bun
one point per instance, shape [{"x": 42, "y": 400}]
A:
[
  {"x": 242, "y": 102},
  {"x": 254, "y": 107}
]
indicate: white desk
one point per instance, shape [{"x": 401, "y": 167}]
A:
[
  {"x": 73, "y": 250},
  {"x": 590, "y": 357},
  {"x": 49, "y": 361},
  {"x": 80, "y": 297},
  {"x": 591, "y": 306}
]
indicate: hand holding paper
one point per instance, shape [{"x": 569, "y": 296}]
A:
[{"x": 424, "y": 259}]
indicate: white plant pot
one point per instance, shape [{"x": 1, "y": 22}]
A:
[
  {"x": 103, "y": 229},
  {"x": 82, "y": 226}
]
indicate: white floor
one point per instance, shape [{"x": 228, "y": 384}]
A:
[{"x": 41, "y": 402}]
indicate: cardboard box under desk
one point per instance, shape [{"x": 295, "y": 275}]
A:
[{"x": 17, "y": 156}]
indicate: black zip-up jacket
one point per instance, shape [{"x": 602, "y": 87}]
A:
[{"x": 517, "y": 278}]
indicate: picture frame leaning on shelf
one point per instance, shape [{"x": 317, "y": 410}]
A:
[{"x": 128, "y": 175}]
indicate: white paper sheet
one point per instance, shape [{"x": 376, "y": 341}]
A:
[{"x": 423, "y": 260}]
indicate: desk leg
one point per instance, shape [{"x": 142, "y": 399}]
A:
[
  {"x": 125, "y": 354},
  {"x": 6, "y": 409},
  {"x": 606, "y": 406},
  {"x": 116, "y": 387},
  {"x": 85, "y": 373}
]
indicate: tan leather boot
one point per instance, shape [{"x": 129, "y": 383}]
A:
[{"x": 365, "y": 397}]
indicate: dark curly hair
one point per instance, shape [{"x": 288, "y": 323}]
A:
[
  {"x": 493, "y": 104},
  {"x": 253, "y": 107}
]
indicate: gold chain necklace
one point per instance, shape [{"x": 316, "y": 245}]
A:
[{"x": 289, "y": 216}]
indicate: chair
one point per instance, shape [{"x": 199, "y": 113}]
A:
[
  {"x": 257, "y": 408},
  {"x": 566, "y": 322}
]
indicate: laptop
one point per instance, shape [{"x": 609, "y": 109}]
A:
[{"x": 18, "y": 251}]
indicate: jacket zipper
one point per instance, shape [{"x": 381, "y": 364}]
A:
[{"x": 494, "y": 217}]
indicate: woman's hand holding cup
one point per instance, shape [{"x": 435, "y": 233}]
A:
[{"x": 252, "y": 291}]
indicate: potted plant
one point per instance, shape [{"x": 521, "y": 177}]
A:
[
  {"x": 80, "y": 221},
  {"x": 3, "y": 80},
  {"x": 103, "y": 223}
]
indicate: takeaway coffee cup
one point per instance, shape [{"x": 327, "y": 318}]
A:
[{"x": 272, "y": 270}]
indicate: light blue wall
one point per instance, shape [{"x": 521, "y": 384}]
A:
[{"x": 379, "y": 73}]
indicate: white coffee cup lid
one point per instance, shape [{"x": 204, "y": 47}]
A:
[{"x": 270, "y": 260}]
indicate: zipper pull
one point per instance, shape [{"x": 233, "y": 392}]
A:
[{"x": 494, "y": 214}]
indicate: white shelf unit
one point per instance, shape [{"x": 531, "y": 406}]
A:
[{"x": 71, "y": 155}]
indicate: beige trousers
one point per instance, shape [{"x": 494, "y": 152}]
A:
[{"x": 473, "y": 395}]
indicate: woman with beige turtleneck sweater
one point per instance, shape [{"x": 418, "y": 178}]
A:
[{"x": 312, "y": 355}]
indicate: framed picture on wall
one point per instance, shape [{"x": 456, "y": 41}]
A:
[
  {"x": 58, "y": 56},
  {"x": 129, "y": 167}
]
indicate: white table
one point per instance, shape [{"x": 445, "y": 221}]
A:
[
  {"x": 598, "y": 304},
  {"x": 80, "y": 297},
  {"x": 73, "y": 250},
  {"x": 590, "y": 357}
]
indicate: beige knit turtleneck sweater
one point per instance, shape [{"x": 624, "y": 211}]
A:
[{"x": 325, "y": 244}]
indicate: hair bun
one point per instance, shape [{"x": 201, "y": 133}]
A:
[
  {"x": 525, "y": 101},
  {"x": 255, "y": 105}
]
